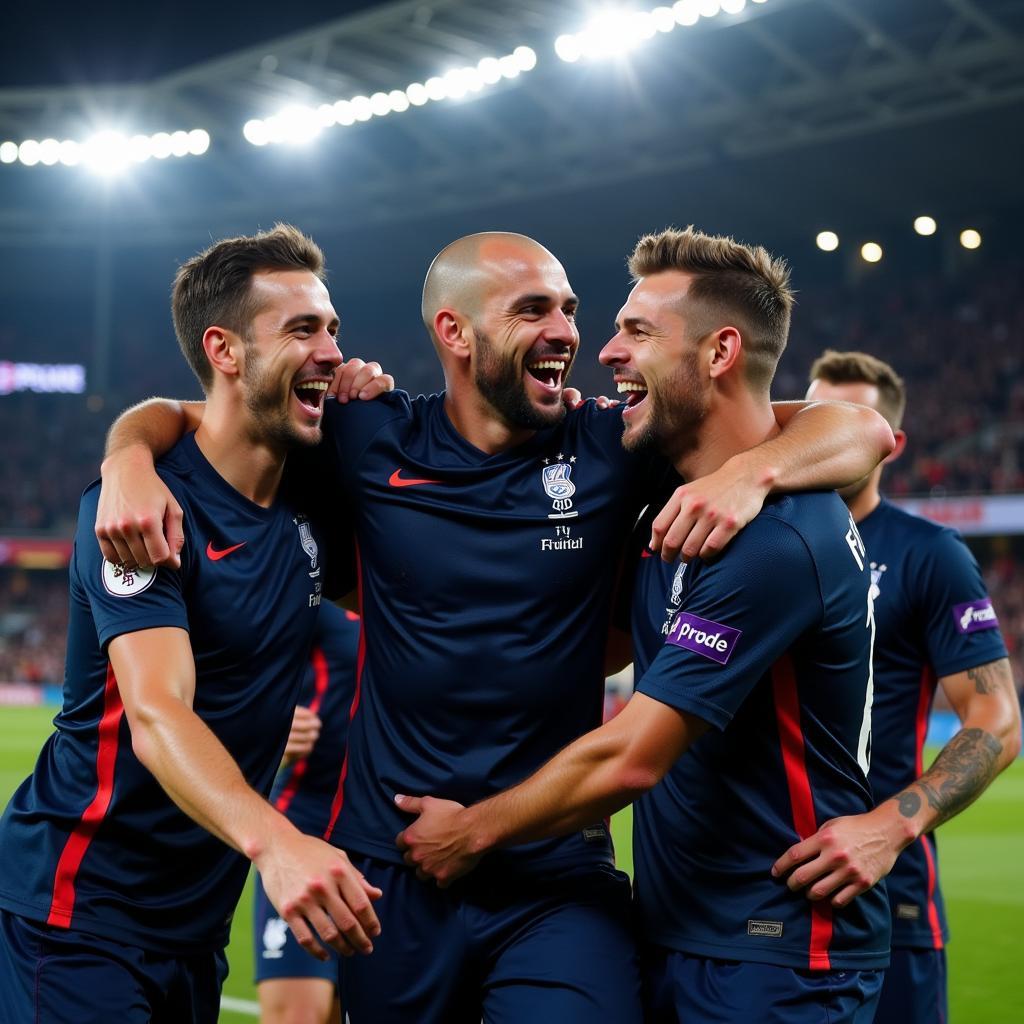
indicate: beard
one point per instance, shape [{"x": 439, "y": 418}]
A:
[
  {"x": 272, "y": 421},
  {"x": 678, "y": 407},
  {"x": 500, "y": 381}
]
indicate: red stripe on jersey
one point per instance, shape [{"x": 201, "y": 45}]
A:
[
  {"x": 339, "y": 795},
  {"x": 791, "y": 737},
  {"x": 321, "y": 677},
  {"x": 62, "y": 905},
  {"x": 924, "y": 704}
]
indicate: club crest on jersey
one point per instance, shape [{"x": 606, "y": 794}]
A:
[
  {"x": 308, "y": 542},
  {"x": 975, "y": 615},
  {"x": 122, "y": 582},
  {"x": 275, "y": 935},
  {"x": 559, "y": 488},
  {"x": 877, "y": 572},
  {"x": 675, "y": 598}
]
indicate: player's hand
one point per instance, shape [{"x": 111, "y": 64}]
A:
[
  {"x": 573, "y": 399},
  {"x": 138, "y": 520},
  {"x": 358, "y": 379},
  {"x": 702, "y": 517},
  {"x": 319, "y": 893},
  {"x": 844, "y": 858},
  {"x": 302, "y": 736},
  {"x": 435, "y": 844}
]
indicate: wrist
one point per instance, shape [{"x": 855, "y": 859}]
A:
[
  {"x": 263, "y": 834},
  {"x": 134, "y": 453},
  {"x": 480, "y": 837},
  {"x": 753, "y": 466}
]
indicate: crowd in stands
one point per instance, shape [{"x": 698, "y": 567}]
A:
[{"x": 33, "y": 624}]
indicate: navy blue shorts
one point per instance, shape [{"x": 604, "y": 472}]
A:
[
  {"x": 684, "y": 989},
  {"x": 556, "y": 949},
  {"x": 276, "y": 953},
  {"x": 55, "y": 975},
  {"x": 915, "y": 988}
]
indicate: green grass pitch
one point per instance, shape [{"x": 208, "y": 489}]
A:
[{"x": 982, "y": 854}]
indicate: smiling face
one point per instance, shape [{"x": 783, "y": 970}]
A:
[
  {"x": 657, "y": 365},
  {"x": 290, "y": 355},
  {"x": 524, "y": 334}
]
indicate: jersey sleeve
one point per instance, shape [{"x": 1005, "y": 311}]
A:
[
  {"x": 960, "y": 625},
  {"x": 124, "y": 601},
  {"x": 739, "y": 616},
  {"x": 349, "y": 429}
]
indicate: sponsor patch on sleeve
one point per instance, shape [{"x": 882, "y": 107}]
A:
[
  {"x": 975, "y": 615},
  {"x": 122, "y": 582},
  {"x": 702, "y": 636}
]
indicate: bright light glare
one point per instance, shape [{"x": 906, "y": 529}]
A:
[
  {"x": 8, "y": 152},
  {"x": 28, "y": 152},
  {"x": 198, "y": 141},
  {"x": 827, "y": 241},
  {"x": 326, "y": 116},
  {"x": 162, "y": 145},
  {"x": 925, "y": 225},
  {"x": 361, "y": 108},
  {"x": 107, "y": 152},
  {"x": 49, "y": 152},
  {"x": 871, "y": 252},
  {"x": 709, "y": 8},
  {"x": 970, "y": 239},
  {"x": 418, "y": 95},
  {"x": 733, "y": 6},
  {"x": 140, "y": 148},
  {"x": 399, "y": 101},
  {"x": 568, "y": 48},
  {"x": 343, "y": 113},
  {"x": 663, "y": 19},
  {"x": 686, "y": 12},
  {"x": 69, "y": 153},
  {"x": 490, "y": 70},
  {"x": 525, "y": 57}
]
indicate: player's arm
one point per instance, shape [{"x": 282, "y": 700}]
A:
[
  {"x": 311, "y": 883},
  {"x": 138, "y": 522},
  {"x": 821, "y": 445},
  {"x": 303, "y": 734},
  {"x": 848, "y": 855},
  {"x": 592, "y": 777}
]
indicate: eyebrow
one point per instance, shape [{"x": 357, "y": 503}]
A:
[
  {"x": 543, "y": 298},
  {"x": 633, "y": 321},
  {"x": 306, "y": 318}
]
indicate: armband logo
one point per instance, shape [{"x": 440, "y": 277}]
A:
[
  {"x": 975, "y": 615},
  {"x": 122, "y": 582},
  {"x": 702, "y": 636}
]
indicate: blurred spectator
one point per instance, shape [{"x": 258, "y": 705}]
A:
[{"x": 33, "y": 624}]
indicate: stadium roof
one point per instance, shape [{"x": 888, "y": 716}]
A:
[{"x": 863, "y": 100}]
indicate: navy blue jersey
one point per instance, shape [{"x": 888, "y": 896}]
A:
[
  {"x": 771, "y": 645},
  {"x": 304, "y": 790},
  {"x": 934, "y": 618},
  {"x": 485, "y": 591},
  {"x": 90, "y": 841}
]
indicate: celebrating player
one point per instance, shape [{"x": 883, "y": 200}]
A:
[
  {"x": 293, "y": 986},
  {"x": 936, "y": 627},
  {"x": 489, "y": 524},
  {"x": 122, "y": 857},
  {"x": 750, "y": 721}
]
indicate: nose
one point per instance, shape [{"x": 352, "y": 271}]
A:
[
  {"x": 327, "y": 354},
  {"x": 614, "y": 352},
  {"x": 562, "y": 328}
]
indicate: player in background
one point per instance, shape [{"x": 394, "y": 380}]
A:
[
  {"x": 936, "y": 627},
  {"x": 293, "y": 987},
  {"x": 122, "y": 857},
  {"x": 748, "y": 724},
  {"x": 489, "y": 523}
]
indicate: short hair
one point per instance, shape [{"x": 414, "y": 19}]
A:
[
  {"x": 729, "y": 278},
  {"x": 214, "y": 287},
  {"x": 861, "y": 368}
]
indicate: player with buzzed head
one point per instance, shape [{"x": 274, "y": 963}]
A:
[{"x": 489, "y": 521}]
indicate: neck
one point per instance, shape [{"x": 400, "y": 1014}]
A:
[
  {"x": 734, "y": 424},
  {"x": 866, "y": 500},
  {"x": 252, "y": 467},
  {"x": 475, "y": 420}
]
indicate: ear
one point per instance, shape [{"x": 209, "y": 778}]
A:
[
  {"x": 726, "y": 348},
  {"x": 901, "y": 443},
  {"x": 222, "y": 350},
  {"x": 450, "y": 330}
]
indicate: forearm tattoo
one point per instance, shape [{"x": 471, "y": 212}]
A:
[{"x": 964, "y": 767}]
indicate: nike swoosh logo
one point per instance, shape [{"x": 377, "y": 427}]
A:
[
  {"x": 397, "y": 480},
  {"x": 646, "y": 553},
  {"x": 215, "y": 556}
]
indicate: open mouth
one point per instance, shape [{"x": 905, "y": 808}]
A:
[
  {"x": 311, "y": 394},
  {"x": 635, "y": 392},
  {"x": 549, "y": 371}
]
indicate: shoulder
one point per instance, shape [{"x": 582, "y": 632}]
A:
[{"x": 395, "y": 404}]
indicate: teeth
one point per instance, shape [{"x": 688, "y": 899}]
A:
[
  {"x": 547, "y": 364},
  {"x": 630, "y": 385},
  {"x": 313, "y": 385}
]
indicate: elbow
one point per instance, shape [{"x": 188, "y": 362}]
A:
[
  {"x": 632, "y": 781},
  {"x": 1010, "y": 736},
  {"x": 142, "y": 723},
  {"x": 877, "y": 428}
]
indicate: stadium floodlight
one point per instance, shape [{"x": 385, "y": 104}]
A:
[
  {"x": 49, "y": 152},
  {"x": 525, "y": 58},
  {"x": 827, "y": 241},
  {"x": 663, "y": 19},
  {"x": 871, "y": 252},
  {"x": 8, "y": 152},
  {"x": 490, "y": 71},
  {"x": 686, "y": 12},
  {"x": 69, "y": 153},
  {"x": 709, "y": 8},
  {"x": 325, "y": 115},
  {"x": 925, "y": 225},
  {"x": 418, "y": 95},
  {"x": 162, "y": 144},
  {"x": 399, "y": 101},
  {"x": 568, "y": 48},
  {"x": 198, "y": 141},
  {"x": 733, "y": 6},
  {"x": 970, "y": 238},
  {"x": 380, "y": 104},
  {"x": 28, "y": 152},
  {"x": 343, "y": 113},
  {"x": 362, "y": 109},
  {"x": 140, "y": 148}
]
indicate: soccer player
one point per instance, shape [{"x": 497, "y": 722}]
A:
[
  {"x": 122, "y": 857},
  {"x": 936, "y": 627},
  {"x": 294, "y": 987},
  {"x": 750, "y": 720},
  {"x": 489, "y": 523}
]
